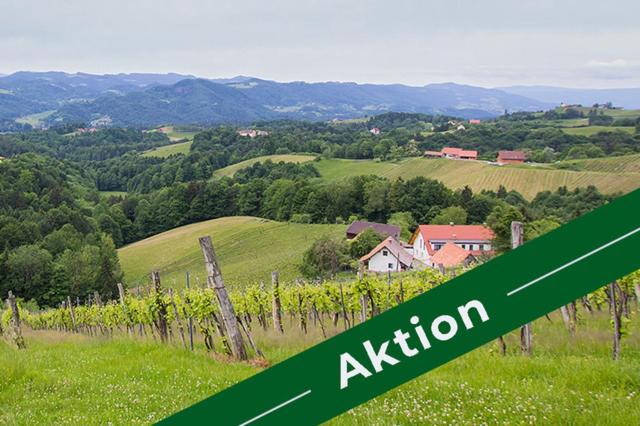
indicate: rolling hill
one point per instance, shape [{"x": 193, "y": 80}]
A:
[
  {"x": 146, "y": 100},
  {"x": 526, "y": 179},
  {"x": 248, "y": 249}
]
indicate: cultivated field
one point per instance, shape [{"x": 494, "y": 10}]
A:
[
  {"x": 526, "y": 179},
  {"x": 248, "y": 249},
  {"x": 74, "y": 379},
  {"x": 287, "y": 158},
  {"x": 624, "y": 164},
  {"x": 592, "y": 130},
  {"x": 182, "y": 143},
  {"x": 169, "y": 150}
]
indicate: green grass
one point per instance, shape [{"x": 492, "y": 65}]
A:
[
  {"x": 70, "y": 379},
  {"x": 287, "y": 158},
  {"x": 34, "y": 119},
  {"x": 168, "y": 150},
  {"x": 181, "y": 143},
  {"x": 526, "y": 179},
  {"x": 592, "y": 130},
  {"x": 248, "y": 249},
  {"x": 623, "y": 164}
]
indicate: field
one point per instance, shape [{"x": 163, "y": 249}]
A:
[
  {"x": 526, "y": 179},
  {"x": 168, "y": 150},
  {"x": 181, "y": 143},
  {"x": 248, "y": 249},
  {"x": 592, "y": 130},
  {"x": 623, "y": 164},
  {"x": 287, "y": 158},
  {"x": 34, "y": 120},
  {"x": 73, "y": 379}
]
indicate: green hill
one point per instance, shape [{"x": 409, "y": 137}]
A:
[
  {"x": 248, "y": 248},
  {"x": 287, "y": 158},
  {"x": 526, "y": 179}
]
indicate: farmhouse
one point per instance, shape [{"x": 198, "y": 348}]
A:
[
  {"x": 389, "y": 255},
  {"x": 252, "y": 133},
  {"x": 375, "y": 131},
  {"x": 428, "y": 239},
  {"x": 459, "y": 153},
  {"x": 511, "y": 157},
  {"x": 381, "y": 228},
  {"x": 474, "y": 121},
  {"x": 455, "y": 153},
  {"x": 451, "y": 255}
]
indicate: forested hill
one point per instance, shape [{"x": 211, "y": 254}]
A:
[{"x": 153, "y": 99}]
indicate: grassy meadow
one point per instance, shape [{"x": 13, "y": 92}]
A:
[
  {"x": 248, "y": 249},
  {"x": 287, "y": 158},
  {"x": 526, "y": 179},
  {"x": 181, "y": 142},
  {"x": 592, "y": 130},
  {"x": 70, "y": 379}
]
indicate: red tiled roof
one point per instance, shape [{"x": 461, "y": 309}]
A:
[
  {"x": 452, "y": 233},
  {"x": 450, "y": 255},
  {"x": 433, "y": 153},
  {"x": 394, "y": 247},
  {"x": 459, "y": 152},
  {"x": 512, "y": 155}
]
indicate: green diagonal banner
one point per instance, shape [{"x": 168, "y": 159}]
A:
[{"x": 436, "y": 327}]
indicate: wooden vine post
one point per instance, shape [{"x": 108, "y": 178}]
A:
[
  {"x": 215, "y": 281},
  {"x": 190, "y": 319},
  {"x": 14, "y": 323},
  {"x": 616, "y": 317},
  {"x": 277, "y": 306},
  {"x": 124, "y": 308},
  {"x": 526, "y": 335},
  {"x": 161, "y": 322}
]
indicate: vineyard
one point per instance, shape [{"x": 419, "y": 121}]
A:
[
  {"x": 190, "y": 313},
  {"x": 169, "y": 342}
]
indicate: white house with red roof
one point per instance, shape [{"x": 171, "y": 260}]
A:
[
  {"x": 428, "y": 239},
  {"x": 389, "y": 255}
]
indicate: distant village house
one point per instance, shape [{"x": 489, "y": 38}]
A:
[
  {"x": 511, "y": 157},
  {"x": 375, "y": 131},
  {"x": 251, "y": 133},
  {"x": 381, "y": 228}
]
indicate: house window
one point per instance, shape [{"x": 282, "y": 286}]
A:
[
  {"x": 437, "y": 247},
  {"x": 464, "y": 246},
  {"x": 470, "y": 247},
  {"x": 390, "y": 265},
  {"x": 385, "y": 253}
]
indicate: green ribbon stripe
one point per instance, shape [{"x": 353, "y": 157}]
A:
[{"x": 436, "y": 327}]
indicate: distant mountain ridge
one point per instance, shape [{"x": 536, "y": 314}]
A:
[
  {"x": 626, "y": 98},
  {"x": 146, "y": 99}
]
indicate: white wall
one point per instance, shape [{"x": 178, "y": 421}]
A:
[{"x": 380, "y": 263}]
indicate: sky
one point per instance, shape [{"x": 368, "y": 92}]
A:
[{"x": 490, "y": 43}]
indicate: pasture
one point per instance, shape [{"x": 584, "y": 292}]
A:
[
  {"x": 74, "y": 379},
  {"x": 248, "y": 248},
  {"x": 592, "y": 130},
  {"x": 526, "y": 179}
]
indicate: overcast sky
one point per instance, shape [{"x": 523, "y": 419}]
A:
[{"x": 490, "y": 43}]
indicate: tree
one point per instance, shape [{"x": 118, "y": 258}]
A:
[
  {"x": 454, "y": 214},
  {"x": 30, "y": 269},
  {"x": 364, "y": 243},
  {"x": 325, "y": 258},
  {"x": 500, "y": 222},
  {"x": 405, "y": 221},
  {"x": 539, "y": 227}
]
